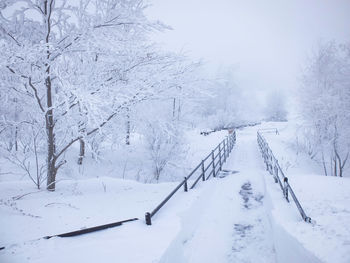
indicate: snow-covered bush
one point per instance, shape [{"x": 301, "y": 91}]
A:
[
  {"x": 164, "y": 142},
  {"x": 25, "y": 150}
]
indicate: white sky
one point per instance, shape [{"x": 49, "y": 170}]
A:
[{"x": 266, "y": 40}]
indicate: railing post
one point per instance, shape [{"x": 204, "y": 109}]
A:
[
  {"x": 276, "y": 174},
  {"x": 225, "y": 151},
  {"x": 271, "y": 169},
  {"x": 185, "y": 185},
  {"x": 220, "y": 157},
  {"x": 203, "y": 173},
  {"x": 228, "y": 146},
  {"x": 285, "y": 188},
  {"x": 148, "y": 219},
  {"x": 213, "y": 160}
]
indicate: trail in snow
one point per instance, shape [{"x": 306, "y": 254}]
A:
[
  {"x": 252, "y": 239},
  {"x": 228, "y": 223}
]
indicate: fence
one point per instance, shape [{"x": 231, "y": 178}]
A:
[
  {"x": 273, "y": 167},
  {"x": 209, "y": 166}
]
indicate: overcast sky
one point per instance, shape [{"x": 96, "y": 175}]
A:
[{"x": 266, "y": 40}]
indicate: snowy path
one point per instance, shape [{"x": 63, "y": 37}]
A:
[{"x": 228, "y": 223}]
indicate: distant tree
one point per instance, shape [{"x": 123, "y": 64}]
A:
[
  {"x": 275, "y": 106},
  {"x": 229, "y": 104}
]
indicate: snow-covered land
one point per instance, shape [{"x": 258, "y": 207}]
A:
[
  {"x": 240, "y": 216},
  {"x": 324, "y": 198},
  {"x": 112, "y": 110}
]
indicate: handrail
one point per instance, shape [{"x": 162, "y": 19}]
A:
[
  {"x": 269, "y": 130},
  {"x": 224, "y": 146},
  {"x": 193, "y": 171},
  {"x": 273, "y": 167}
]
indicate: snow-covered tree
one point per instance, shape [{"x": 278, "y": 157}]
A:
[
  {"x": 275, "y": 106},
  {"x": 325, "y": 101},
  {"x": 229, "y": 104},
  {"x": 73, "y": 67}
]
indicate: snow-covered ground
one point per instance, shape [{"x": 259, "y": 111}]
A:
[
  {"x": 28, "y": 214},
  {"x": 228, "y": 223},
  {"x": 239, "y": 217},
  {"x": 325, "y": 199}
]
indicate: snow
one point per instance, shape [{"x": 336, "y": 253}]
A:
[
  {"x": 88, "y": 202},
  {"x": 240, "y": 216},
  {"x": 227, "y": 223},
  {"x": 325, "y": 199}
]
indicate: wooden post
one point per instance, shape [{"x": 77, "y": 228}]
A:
[
  {"x": 285, "y": 188},
  {"x": 220, "y": 156},
  {"x": 148, "y": 219},
  {"x": 213, "y": 160},
  {"x": 228, "y": 147},
  {"x": 203, "y": 173},
  {"x": 270, "y": 169},
  {"x": 276, "y": 174},
  {"x": 185, "y": 185},
  {"x": 229, "y": 144},
  {"x": 224, "y": 151}
]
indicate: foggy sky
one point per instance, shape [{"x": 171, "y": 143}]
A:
[{"x": 266, "y": 41}]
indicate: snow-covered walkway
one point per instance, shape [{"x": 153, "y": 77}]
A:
[{"x": 228, "y": 222}]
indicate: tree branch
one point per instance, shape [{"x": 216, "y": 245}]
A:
[{"x": 36, "y": 94}]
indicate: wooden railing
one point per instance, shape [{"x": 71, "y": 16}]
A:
[
  {"x": 209, "y": 166},
  {"x": 273, "y": 167}
]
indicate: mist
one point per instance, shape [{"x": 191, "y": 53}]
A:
[{"x": 266, "y": 42}]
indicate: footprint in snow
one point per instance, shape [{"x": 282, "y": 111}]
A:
[{"x": 247, "y": 195}]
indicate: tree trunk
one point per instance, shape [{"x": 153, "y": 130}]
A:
[
  {"x": 16, "y": 138},
  {"x": 82, "y": 151},
  {"x": 16, "y": 128},
  {"x": 51, "y": 159},
  {"x": 341, "y": 163},
  {"x": 324, "y": 164},
  {"x": 174, "y": 104},
  {"x": 340, "y": 167},
  {"x": 127, "y": 138},
  {"x": 331, "y": 166}
]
